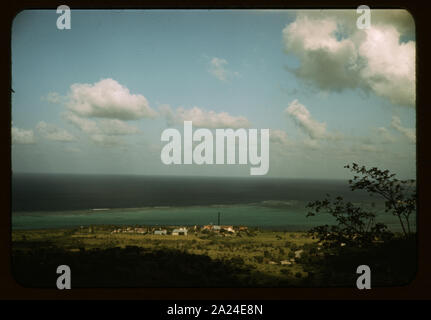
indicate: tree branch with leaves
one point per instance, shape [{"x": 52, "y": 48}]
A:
[
  {"x": 356, "y": 226},
  {"x": 399, "y": 195}
]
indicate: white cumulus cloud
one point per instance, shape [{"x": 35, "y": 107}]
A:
[
  {"x": 335, "y": 55},
  {"x": 303, "y": 119},
  {"x": 107, "y": 99}
]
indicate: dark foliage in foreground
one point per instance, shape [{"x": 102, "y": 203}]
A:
[
  {"x": 124, "y": 267},
  {"x": 392, "y": 263}
]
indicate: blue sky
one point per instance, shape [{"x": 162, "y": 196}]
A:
[{"x": 268, "y": 67}]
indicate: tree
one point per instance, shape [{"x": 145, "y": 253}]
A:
[
  {"x": 356, "y": 226},
  {"x": 400, "y": 195}
]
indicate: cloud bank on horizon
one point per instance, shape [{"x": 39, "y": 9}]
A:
[{"x": 350, "y": 97}]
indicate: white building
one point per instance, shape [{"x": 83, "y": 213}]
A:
[
  {"x": 179, "y": 232},
  {"x": 160, "y": 232}
]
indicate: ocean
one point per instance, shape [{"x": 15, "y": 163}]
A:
[{"x": 69, "y": 200}]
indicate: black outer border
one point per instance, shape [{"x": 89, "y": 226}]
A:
[{"x": 419, "y": 288}]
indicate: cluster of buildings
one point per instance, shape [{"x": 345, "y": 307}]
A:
[
  {"x": 215, "y": 228},
  {"x": 159, "y": 231},
  {"x": 131, "y": 230},
  {"x": 175, "y": 232},
  {"x": 181, "y": 231}
]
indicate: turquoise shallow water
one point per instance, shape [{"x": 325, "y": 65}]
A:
[
  {"x": 288, "y": 217},
  {"x": 56, "y": 200}
]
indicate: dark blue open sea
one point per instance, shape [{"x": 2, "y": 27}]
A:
[{"x": 66, "y": 200}]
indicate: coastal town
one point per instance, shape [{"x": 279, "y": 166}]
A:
[
  {"x": 183, "y": 231},
  {"x": 171, "y": 230}
]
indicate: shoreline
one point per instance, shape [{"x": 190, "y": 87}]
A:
[{"x": 273, "y": 203}]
